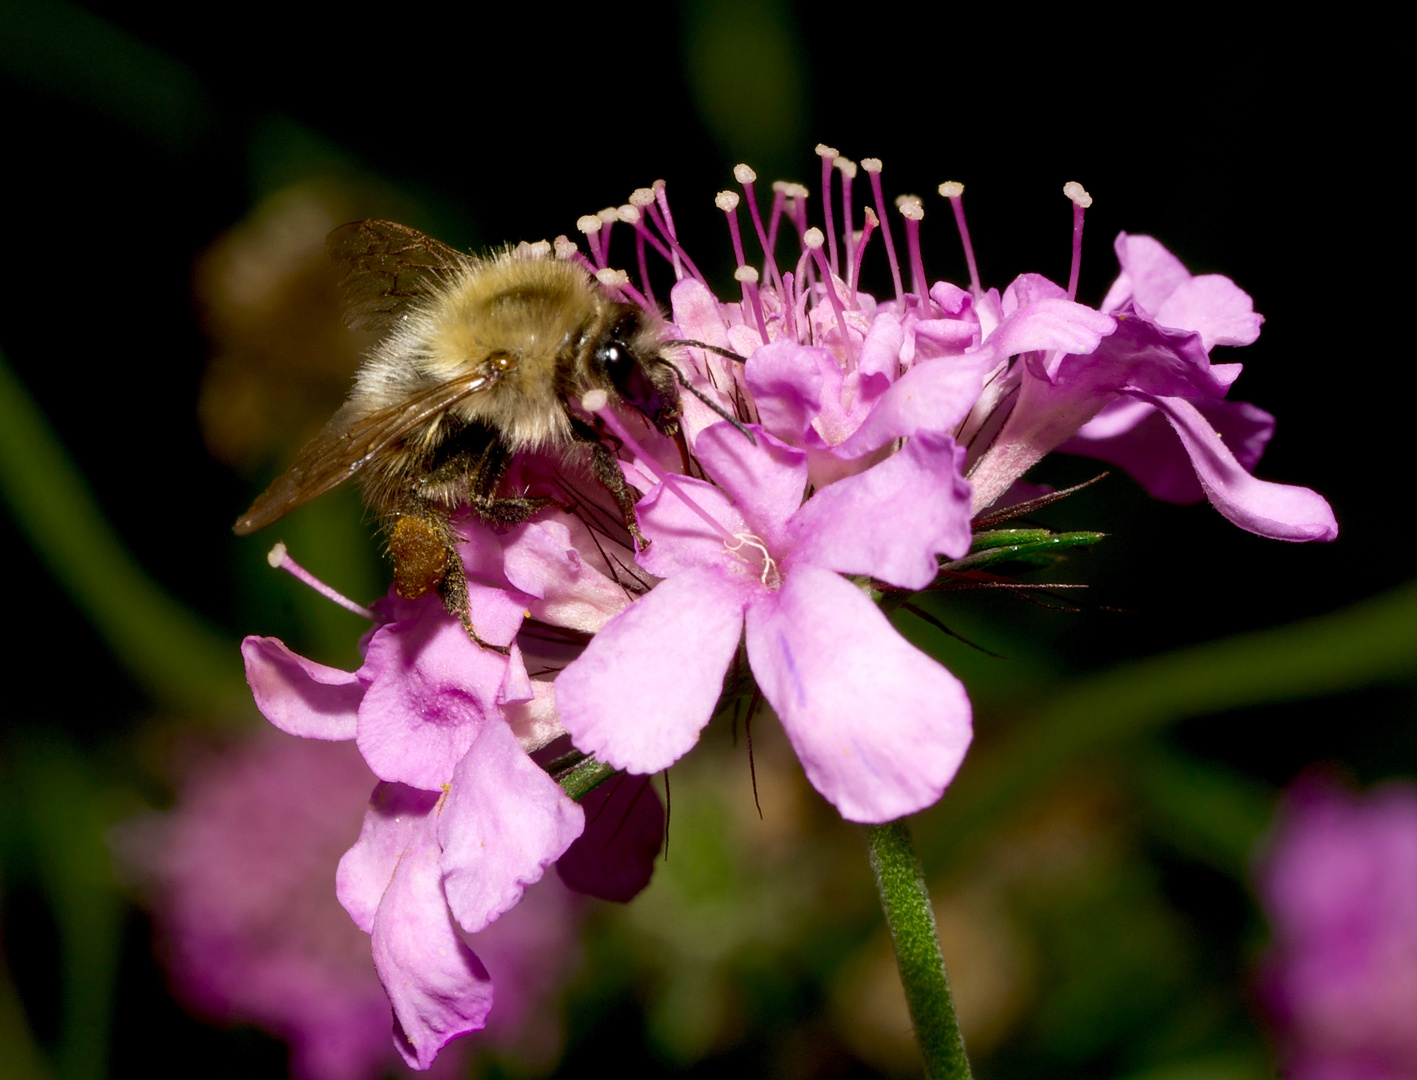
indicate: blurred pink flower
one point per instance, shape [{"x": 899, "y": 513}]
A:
[
  {"x": 1338, "y": 880},
  {"x": 240, "y": 879}
]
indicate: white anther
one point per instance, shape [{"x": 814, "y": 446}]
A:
[
  {"x": 743, "y": 174},
  {"x": 726, "y": 201},
  {"x": 871, "y": 217},
  {"x": 588, "y": 224},
  {"x": 612, "y": 279},
  {"x": 795, "y": 191},
  {"x": 952, "y": 189},
  {"x": 910, "y": 207},
  {"x": 592, "y": 401},
  {"x": 641, "y": 196},
  {"x": 823, "y": 150},
  {"x": 1073, "y": 190},
  {"x": 847, "y": 167},
  {"x": 746, "y": 273},
  {"x": 781, "y": 185},
  {"x": 813, "y": 238},
  {"x": 628, "y": 214},
  {"x": 537, "y": 250},
  {"x": 276, "y": 555},
  {"x": 658, "y": 185},
  {"x": 564, "y": 247},
  {"x": 608, "y": 215},
  {"x": 871, "y": 164}
]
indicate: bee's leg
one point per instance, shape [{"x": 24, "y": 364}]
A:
[
  {"x": 486, "y": 476},
  {"x": 422, "y": 545},
  {"x": 606, "y": 468}
]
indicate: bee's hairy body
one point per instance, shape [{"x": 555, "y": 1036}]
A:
[{"x": 482, "y": 360}]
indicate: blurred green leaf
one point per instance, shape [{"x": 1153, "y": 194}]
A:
[
  {"x": 177, "y": 657},
  {"x": 1212, "y": 813},
  {"x": 64, "y": 50},
  {"x": 20, "y": 1057},
  {"x": 1231, "y": 1066}
]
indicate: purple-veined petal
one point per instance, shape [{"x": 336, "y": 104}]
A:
[
  {"x": 648, "y": 682},
  {"x": 892, "y": 520},
  {"x": 614, "y": 858},
  {"x": 397, "y": 814},
  {"x": 1214, "y": 307},
  {"x": 298, "y": 695},
  {"x": 1279, "y": 511},
  {"x": 1135, "y": 436},
  {"x": 880, "y": 728},
  {"x": 765, "y": 480},
  {"x": 436, "y": 984},
  {"x": 428, "y": 689},
  {"x": 504, "y": 823},
  {"x": 934, "y": 395}
]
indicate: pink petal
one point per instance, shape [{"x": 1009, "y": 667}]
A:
[
  {"x": 681, "y": 540},
  {"x": 1214, "y": 307},
  {"x": 614, "y": 858},
  {"x": 765, "y": 481},
  {"x": 1135, "y": 436},
  {"x": 396, "y": 815},
  {"x": 1149, "y": 274},
  {"x": 542, "y": 561},
  {"x": 934, "y": 395},
  {"x": 787, "y": 381},
  {"x": 1279, "y": 511},
  {"x": 504, "y": 823},
  {"x": 880, "y": 727},
  {"x": 535, "y": 721},
  {"x": 1050, "y": 324},
  {"x": 648, "y": 682},
  {"x": 892, "y": 520},
  {"x": 436, "y": 984},
  {"x": 428, "y": 689},
  {"x": 298, "y": 695}
]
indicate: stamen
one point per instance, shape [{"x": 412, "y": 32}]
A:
[
  {"x": 661, "y": 199},
  {"x": 618, "y": 279},
  {"x": 813, "y": 240},
  {"x": 280, "y": 559},
  {"x": 630, "y": 214},
  {"x": 1081, "y": 201},
  {"x": 590, "y": 224},
  {"x": 913, "y": 210},
  {"x": 748, "y": 277},
  {"x": 727, "y": 201},
  {"x": 537, "y": 250},
  {"x": 789, "y": 306},
  {"x": 873, "y": 170},
  {"x": 847, "y": 168},
  {"x": 828, "y": 155},
  {"x": 745, "y": 176},
  {"x": 866, "y": 232},
  {"x": 598, "y": 402},
  {"x": 607, "y": 218},
  {"x": 779, "y": 197},
  {"x": 666, "y": 230},
  {"x": 954, "y": 191}
]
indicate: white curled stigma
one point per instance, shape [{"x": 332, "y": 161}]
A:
[{"x": 770, "y": 577}]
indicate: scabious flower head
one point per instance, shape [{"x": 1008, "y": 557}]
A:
[
  {"x": 834, "y": 448},
  {"x": 1338, "y": 881}
]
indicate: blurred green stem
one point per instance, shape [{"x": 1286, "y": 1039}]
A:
[
  {"x": 900, "y": 880},
  {"x": 170, "y": 652}
]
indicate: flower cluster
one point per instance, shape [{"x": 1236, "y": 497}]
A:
[
  {"x": 835, "y": 445},
  {"x": 1339, "y": 883}
]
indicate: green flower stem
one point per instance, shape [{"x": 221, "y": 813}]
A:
[{"x": 901, "y": 883}]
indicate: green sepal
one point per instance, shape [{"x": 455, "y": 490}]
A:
[
  {"x": 1033, "y": 547},
  {"x": 582, "y": 777}
]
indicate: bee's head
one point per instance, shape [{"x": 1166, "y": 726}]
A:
[{"x": 627, "y": 358}]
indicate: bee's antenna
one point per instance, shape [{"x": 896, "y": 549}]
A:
[
  {"x": 719, "y": 409},
  {"x": 729, "y": 353}
]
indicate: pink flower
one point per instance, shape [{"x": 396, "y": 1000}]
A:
[
  {"x": 240, "y": 873},
  {"x": 1339, "y": 883}
]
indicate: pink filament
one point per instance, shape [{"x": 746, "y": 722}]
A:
[
  {"x": 917, "y": 265},
  {"x": 829, "y": 283},
  {"x": 1078, "y": 212},
  {"x": 753, "y": 300},
  {"x": 295, "y": 570},
  {"x": 770, "y": 264},
  {"x": 849, "y": 225},
  {"x": 886, "y": 232},
  {"x": 957, "y": 204},
  {"x": 644, "y": 266},
  {"x": 866, "y": 231},
  {"x": 827, "y": 170}
]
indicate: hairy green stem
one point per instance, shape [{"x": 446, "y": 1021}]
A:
[{"x": 901, "y": 883}]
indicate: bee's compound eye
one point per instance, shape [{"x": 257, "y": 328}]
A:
[{"x": 616, "y": 361}]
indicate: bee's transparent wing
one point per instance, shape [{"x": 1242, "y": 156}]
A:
[
  {"x": 348, "y": 442},
  {"x": 384, "y": 267}
]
